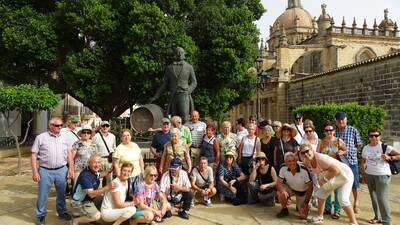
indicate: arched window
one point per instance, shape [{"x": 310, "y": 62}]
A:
[{"x": 364, "y": 54}]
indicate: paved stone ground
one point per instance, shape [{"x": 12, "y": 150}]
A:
[{"x": 18, "y": 197}]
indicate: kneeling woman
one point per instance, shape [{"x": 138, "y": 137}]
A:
[
  {"x": 230, "y": 182},
  {"x": 332, "y": 174},
  {"x": 152, "y": 202},
  {"x": 114, "y": 208}
]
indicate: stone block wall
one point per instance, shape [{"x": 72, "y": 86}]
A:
[{"x": 376, "y": 82}]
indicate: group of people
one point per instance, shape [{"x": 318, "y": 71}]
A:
[{"x": 262, "y": 162}]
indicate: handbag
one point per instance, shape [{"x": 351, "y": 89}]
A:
[
  {"x": 109, "y": 157},
  {"x": 394, "y": 164}
]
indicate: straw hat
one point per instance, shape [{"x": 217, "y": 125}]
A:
[
  {"x": 293, "y": 131},
  {"x": 85, "y": 127},
  {"x": 261, "y": 155}
]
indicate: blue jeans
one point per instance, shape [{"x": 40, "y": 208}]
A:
[
  {"x": 356, "y": 173},
  {"x": 47, "y": 178},
  {"x": 336, "y": 204}
]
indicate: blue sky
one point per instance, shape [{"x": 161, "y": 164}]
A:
[{"x": 359, "y": 9}]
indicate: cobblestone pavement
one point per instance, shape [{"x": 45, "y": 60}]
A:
[{"x": 18, "y": 197}]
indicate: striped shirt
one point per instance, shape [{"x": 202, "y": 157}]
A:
[
  {"x": 52, "y": 150},
  {"x": 352, "y": 138},
  {"x": 197, "y": 130}
]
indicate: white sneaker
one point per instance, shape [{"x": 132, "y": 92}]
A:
[
  {"x": 192, "y": 204},
  {"x": 208, "y": 202},
  {"x": 317, "y": 220}
]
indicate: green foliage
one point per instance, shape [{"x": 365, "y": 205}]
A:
[
  {"x": 27, "y": 98},
  {"x": 362, "y": 117},
  {"x": 112, "y": 54}
]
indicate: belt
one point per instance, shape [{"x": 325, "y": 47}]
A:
[
  {"x": 105, "y": 157},
  {"x": 52, "y": 168},
  {"x": 195, "y": 146}
]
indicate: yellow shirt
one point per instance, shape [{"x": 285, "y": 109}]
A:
[{"x": 129, "y": 153}]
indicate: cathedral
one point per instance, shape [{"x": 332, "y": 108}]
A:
[{"x": 302, "y": 46}]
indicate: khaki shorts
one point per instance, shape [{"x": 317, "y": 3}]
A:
[
  {"x": 84, "y": 209},
  {"x": 195, "y": 155}
]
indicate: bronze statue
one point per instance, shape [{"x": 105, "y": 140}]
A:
[{"x": 181, "y": 80}]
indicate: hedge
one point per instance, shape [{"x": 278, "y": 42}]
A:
[{"x": 362, "y": 117}]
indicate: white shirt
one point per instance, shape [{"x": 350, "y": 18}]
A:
[
  {"x": 248, "y": 147},
  {"x": 101, "y": 147},
  {"x": 298, "y": 181},
  {"x": 374, "y": 163},
  {"x": 182, "y": 180},
  {"x": 197, "y": 130},
  {"x": 71, "y": 136},
  {"x": 121, "y": 188},
  {"x": 300, "y": 134},
  {"x": 241, "y": 134}
]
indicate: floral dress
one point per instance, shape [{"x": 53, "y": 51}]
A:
[{"x": 83, "y": 153}]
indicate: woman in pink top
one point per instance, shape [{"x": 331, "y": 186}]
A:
[{"x": 331, "y": 174}]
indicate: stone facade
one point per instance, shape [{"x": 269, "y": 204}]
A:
[{"x": 376, "y": 82}]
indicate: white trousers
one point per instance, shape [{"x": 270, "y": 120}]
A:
[{"x": 111, "y": 215}]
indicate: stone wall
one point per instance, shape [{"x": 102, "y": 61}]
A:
[{"x": 376, "y": 81}]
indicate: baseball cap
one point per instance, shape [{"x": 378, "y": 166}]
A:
[
  {"x": 298, "y": 115},
  {"x": 175, "y": 163},
  {"x": 165, "y": 120},
  {"x": 340, "y": 115},
  {"x": 104, "y": 122},
  {"x": 74, "y": 118}
]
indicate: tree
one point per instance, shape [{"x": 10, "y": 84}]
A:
[
  {"x": 112, "y": 54},
  {"x": 24, "y": 98}
]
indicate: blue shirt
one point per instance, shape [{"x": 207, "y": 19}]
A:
[
  {"x": 86, "y": 180},
  {"x": 159, "y": 140},
  {"x": 231, "y": 174},
  {"x": 352, "y": 138}
]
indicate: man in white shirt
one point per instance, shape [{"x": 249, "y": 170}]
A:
[
  {"x": 70, "y": 132},
  {"x": 197, "y": 129},
  {"x": 106, "y": 143},
  {"x": 241, "y": 130},
  {"x": 176, "y": 186},
  {"x": 294, "y": 179},
  {"x": 298, "y": 125}
]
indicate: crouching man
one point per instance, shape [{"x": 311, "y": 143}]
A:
[
  {"x": 176, "y": 186},
  {"x": 86, "y": 190},
  {"x": 294, "y": 179},
  {"x": 203, "y": 181}
]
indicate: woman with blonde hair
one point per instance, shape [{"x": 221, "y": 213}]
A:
[
  {"x": 114, "y": 208},
  {"x": 153, "y": 205},
  {"x": 227, "y": 140}
]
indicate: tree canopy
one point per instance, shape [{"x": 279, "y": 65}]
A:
[{"x": 112, "y": 54}]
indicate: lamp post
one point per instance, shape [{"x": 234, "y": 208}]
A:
[{"x": 260, "y": 83}]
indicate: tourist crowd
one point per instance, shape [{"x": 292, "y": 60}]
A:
[{"x": 261, "y": 162}]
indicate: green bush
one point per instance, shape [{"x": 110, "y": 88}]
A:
[{"x": 362, "y": 117}]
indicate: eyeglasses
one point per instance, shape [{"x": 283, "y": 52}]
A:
[
  {"x": 285, "y": 129},
  {"x": 308, "y": 131},
  {"x": 86, "y": 132},
  {"x": 374, "y": 135},
  {"x": 275, "y": 126},
  {"x": 329, "y": 130},
  {"x": 56, "y": 125},
  {"x": 105, "y": 125},
  {"x": 153, "y": 175}
]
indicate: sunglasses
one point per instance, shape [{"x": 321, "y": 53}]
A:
[
  {"x": 259, "y": 159},
  {"x": 275, "y": 126},
  {"x": 329, "y": 130},
  {"x": 308, "y": 131},
  {"x": 86, "y": 132},
  {"x": 304, "y": 152},
  {"x": 153, "y": 175},
  {"x": 374, "y": 135},
  {"x": 285, "y": 129},
  {"x": 56, "y": 125},
  {"x": 105, "y": 125}
]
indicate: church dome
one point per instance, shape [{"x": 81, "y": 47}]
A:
[{"x": 292, "y": 18}]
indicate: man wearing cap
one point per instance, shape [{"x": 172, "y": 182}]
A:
[
  {"x": 197, "y": 130},
  {"x": 352, "y": 139},
  {"x": 262, "y": 182},
  {"x": 71, "y": 131},
  {"x": 176, "y": 186},
  {"x": 294, "y": 179},
  {"x": 106, "y": 143},
  {"x": 50, "y": 154},
  {"x": 298, "y": 125},
  {"x": 159, "y": 140}
]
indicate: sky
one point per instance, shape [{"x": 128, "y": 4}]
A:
[{"x": 359, "y": 9}]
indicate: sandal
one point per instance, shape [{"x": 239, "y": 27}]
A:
[
  {"x": 374, "y": 221},
  {"x": 335, "y": 216}
]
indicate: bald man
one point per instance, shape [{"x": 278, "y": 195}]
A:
[
  {"x": 197, "y": 130},
  {"x": 86, "y": 190}
]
